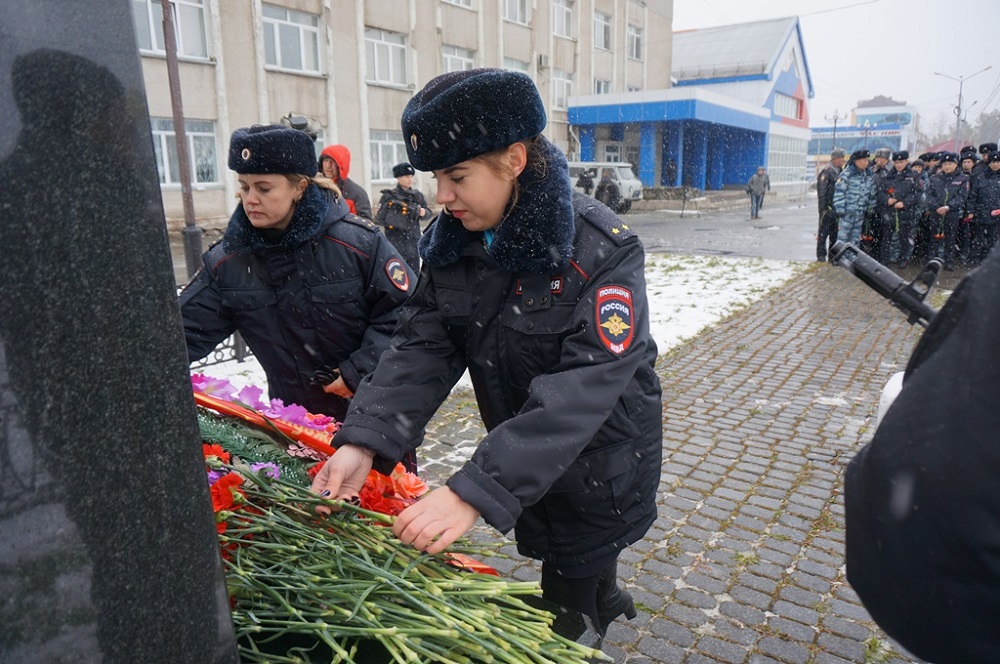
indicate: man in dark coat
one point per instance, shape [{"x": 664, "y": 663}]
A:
[
  {"x": 922, "y": 505},
  {"x": 825, "y": 183}
]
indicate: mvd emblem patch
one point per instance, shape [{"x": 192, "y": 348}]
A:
[
  {"x": 615, "y": 318},
  {"x": 397, "y": 274}
]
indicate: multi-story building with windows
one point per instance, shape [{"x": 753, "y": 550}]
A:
[{"x": 353, "y": 65}]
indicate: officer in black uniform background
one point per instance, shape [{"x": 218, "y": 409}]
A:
[
  {"x": 541, "y": 295},
  {"x": 399, "y": 213},
  {"x": 947, "y": 196},
  {"x": 898, "y": 194},
  {"x": 825, "y": 184}
]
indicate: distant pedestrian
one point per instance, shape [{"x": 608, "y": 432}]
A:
[
  {"x": 586, "y": 181},
  {"x": 759, "y": 184},
  {"x": 854, "y": 197},
  {"x": 825, "y": 183},
  {"x": 607, "y": 190}
]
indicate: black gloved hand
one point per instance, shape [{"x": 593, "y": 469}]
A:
[{"x": 325, "y": 375}]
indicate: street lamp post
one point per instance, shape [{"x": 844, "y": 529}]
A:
[
  {"x": 958, "y": 109},
  {"x": 836, "y": 116}
]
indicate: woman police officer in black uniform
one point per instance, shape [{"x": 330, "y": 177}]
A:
[
  {"x": 314, "y": 290},
  {"x": 541, "y": 295}
]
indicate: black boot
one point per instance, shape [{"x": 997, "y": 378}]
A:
[{"x": 612, "y": 601}]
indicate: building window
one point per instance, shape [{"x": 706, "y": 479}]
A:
[
  {"x": 516, "y": 11},
  {"x": 201, "y": 150},
  {"x": 460, "y": 3},
  {"x": 634, "y": 42},
  {"x": 787, "y": 107},
  {"x": 516, "y": 65},
  {"x": 454, "y": 58},
  {"x": 601, "y": 86},
  {"x": 291, "y": 39},
  {"x": 387, "y": 149},
  {"x": 786, "y": 158},
  {"x": 189, "y": 23},
  {"x": 613, "y": 152},
  {"x": 562, "y": 88},
  {"x": 602, "y": 31},
  {"x": 386, "y": 53},
  {"x": 562, "y": 18}
]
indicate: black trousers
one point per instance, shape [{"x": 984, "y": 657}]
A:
[
  {"x": 826, "y": 236},
  {"x": 597, "y": 596}
]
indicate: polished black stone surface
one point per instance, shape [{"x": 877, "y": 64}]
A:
[{"x": 108, "y": 547}]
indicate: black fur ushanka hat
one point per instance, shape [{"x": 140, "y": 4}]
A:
[
  {"x": 263, "y": 149},
  {"x": 461, "y": 115}
]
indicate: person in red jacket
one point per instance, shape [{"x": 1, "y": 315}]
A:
[{"x": 335, "y": 163}]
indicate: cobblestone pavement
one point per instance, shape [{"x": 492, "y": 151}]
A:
[{"x": 761, "y": 414}]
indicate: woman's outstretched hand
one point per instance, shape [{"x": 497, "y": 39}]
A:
[
  {"x": 435, "y": 521},
  {"x": 343, "y": 475}
]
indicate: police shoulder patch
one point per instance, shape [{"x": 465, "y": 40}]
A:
[
  {"x": 398, "y": 275},
  {"x": 615, "y": 318}
]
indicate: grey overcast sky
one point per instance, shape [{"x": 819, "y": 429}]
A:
[{"x": 857, "y": 49}]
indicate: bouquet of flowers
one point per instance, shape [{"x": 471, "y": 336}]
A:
[{"x": 343, "y": 589}]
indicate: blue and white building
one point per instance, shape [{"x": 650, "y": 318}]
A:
[{"x": 739, "y": 100}]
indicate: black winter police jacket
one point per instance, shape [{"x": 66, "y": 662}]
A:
[
  {"x": 922, "y": 504},
  {"x": 903, "y": 186},
  {"x": 326, "y": 295},
  {"x": 551, "y": 321}
]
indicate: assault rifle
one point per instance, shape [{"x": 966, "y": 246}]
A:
[{"x": 907, "y": 297}]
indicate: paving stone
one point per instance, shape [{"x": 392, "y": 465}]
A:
[
  {"x": 660, "y": 651},
  {"x": 783, "y": 651},
  {"x": 721, "y": 651},
  {"x": 673, "y": 632}
]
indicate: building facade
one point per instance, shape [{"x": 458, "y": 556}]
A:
[
  {"x": 740, "y": 99},
  {"x": 353, "y": 64}
]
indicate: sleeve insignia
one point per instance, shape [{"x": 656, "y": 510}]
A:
[
  {"x": 615, "y": 318},
  {"x": 397, "y": 274}
]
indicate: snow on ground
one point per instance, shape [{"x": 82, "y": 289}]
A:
[{"x": 686, "y": 294}]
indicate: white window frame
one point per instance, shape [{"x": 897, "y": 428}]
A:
[
  {"x": 562, "y": 18},
  {"x": 516, "y": 11},
  {"x": 385, "y": 55},
  {"x": 192, "y": 40},
  {"x": 304, "y": 26},
  {"x": 562, "y": 88},
  {"x": 201, "y": 136},
  {"x": 460, "y": 3},
  {"x": 613, "y": 152},
  {"x": 602, "y": 31},
  {"x": 787, "y": 106},
  {"x": 386, "y": 149},
  {"x": 517, "y": 65},
  {"x": 602, "y": 86},
  {"x": 456, "y": 58},
  {"x": 634, "y": 49}
]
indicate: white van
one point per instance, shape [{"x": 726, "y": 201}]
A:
[{"x": 629, "y": 187}]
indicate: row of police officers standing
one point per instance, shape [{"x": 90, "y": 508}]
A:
[{"x": 943, "y": 205}]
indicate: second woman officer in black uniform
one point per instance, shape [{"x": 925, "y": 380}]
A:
[
  {"x": 314, "y": 289},
  {"x": 541, "y": 294}
]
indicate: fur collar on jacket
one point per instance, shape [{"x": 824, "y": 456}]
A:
[
  {"x": 310, "y": 212},
  {"x": 537, "y": 234}
]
